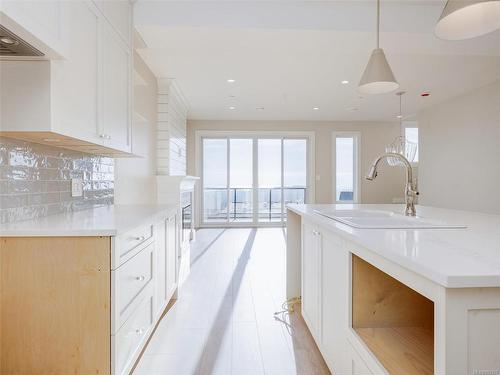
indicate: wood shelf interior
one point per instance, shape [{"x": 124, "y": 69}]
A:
[{"x": 395, "y": 322}]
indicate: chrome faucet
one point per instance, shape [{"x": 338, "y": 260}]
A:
[{"x": 410, "y": 189}]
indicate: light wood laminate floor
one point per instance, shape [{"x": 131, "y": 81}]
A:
[{"x": 223, "y": 321}]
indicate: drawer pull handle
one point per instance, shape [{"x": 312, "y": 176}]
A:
[
  {"x": 315, "y": 232},
  {"x": 140, "y": 278},
  {"x": 140, "y": 238},
  {"x": 139, "y": 331},
  {"x": 105, "y": 136}
]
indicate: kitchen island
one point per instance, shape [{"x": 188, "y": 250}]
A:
[{"x": 398, "y": 301}]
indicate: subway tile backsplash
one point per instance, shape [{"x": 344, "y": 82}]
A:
[{"x": 35, "y": 180}]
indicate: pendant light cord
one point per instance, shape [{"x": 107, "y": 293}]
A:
[
  {"x": 400, "y": 112},
  {"x": 378, "y": 23}
]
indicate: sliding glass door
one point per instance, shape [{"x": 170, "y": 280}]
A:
[
  {"x": 240, "y": 180},
  {"x": 250, "y": 180}
]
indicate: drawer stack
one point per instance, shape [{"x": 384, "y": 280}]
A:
[{"x": 139, "y": 270}]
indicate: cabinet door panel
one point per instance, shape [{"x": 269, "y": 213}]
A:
[
  {"x": 161, "y": 266},
  {"x": 171, "y": 256},
  {"x": 334, "y": 302},
  {"x": 114, "y": 80},
  {"x": 75, "y": 79},
  {"x": 310, "y": 278},
  {"x": 357, "y": 365}
]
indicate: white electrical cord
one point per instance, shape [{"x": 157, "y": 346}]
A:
[{"x": 288, "y": 307}]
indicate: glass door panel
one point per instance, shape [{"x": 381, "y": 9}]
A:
[
  {"x": 215, "y": 180},
  {"x": 250, "y": 180},
  {"x": 269, "y": 180},
  {"x": 240, "y": 180},
  {"x": 294, "y": 171}
]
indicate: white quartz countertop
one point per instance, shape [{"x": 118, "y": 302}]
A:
[
  {"x": 453, "y": 258},
  {"x": 102, "y": 221}
]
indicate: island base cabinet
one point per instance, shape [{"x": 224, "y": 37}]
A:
[
  {"x": 311, "y": 257},
  {"x": 394, "y": 322},
  {"x": 325, "y": 297},
  {"x": 357, "y": 366},
  {"x": 472, "y": 332},
  {"x": 54, "y": 305},
  {"x": 334, "y": 299}
]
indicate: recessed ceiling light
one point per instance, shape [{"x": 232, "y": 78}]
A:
[
  {"x": 316, "y": 108},
  {"x": 399, "y": 117},
  {"x": 231, "y": 81},
  {"x": 232, "y": 108},
  {"x": 345, "y": 82}
]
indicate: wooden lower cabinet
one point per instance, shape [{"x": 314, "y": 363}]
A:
[
  {"x": 55, "y": 305},
  {"x": 65, "y": 308}
]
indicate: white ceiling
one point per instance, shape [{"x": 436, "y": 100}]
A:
[{"x": 291, "y": 56}]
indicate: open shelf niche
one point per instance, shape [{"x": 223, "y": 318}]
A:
[{"x": 395, "y": 322}]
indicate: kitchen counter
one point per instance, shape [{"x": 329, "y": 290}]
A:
[
  {"x": 398, "y": 301},
  {"x": 102, "y": 221},
  {"x": 453, "y": 258}
]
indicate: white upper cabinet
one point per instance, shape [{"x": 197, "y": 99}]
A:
[
  {"x": 114, "y": 96},
  {"x": 119, "y": 15},
  {"x": 87, "y": 95},
  {"x": 43, "y": 24},
  {"x": 76, "y": 114}
]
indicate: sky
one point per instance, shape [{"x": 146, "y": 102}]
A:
[{"x": 215, "y": 162}]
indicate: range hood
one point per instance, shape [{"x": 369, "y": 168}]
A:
[{"x": 12, "y": 45}]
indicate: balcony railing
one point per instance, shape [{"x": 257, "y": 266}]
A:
[{"x": 217, "y": 208}]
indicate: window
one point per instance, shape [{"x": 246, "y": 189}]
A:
[
  {"x": 346, "y": 167},
  {"x": 411, "y": 135},
  {"x": 251, "y": 179}
]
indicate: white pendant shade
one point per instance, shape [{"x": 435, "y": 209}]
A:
[
  {"x": 463, "y": 19},
  {"x": 378, "y": 77}
]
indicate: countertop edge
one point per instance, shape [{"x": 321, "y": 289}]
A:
[
  {"x": 446, "y": 281},
  {"x": 106, "y": 231}
]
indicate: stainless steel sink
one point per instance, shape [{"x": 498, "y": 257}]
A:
[{"x": 378, "y": 219}]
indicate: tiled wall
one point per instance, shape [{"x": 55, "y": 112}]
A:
[{"x": 35, "y": 180}]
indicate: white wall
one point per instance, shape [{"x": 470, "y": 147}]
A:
[
  {"x": 171, "y": 129},
  {"x": 135, "y": 178},
  {"x": 460, "y": 152},
  {"x": 374, "y": 138}
]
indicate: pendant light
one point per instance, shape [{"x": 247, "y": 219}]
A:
[
  {"x": 465, "y": 19},
  {"x": 378, "y": 77}
]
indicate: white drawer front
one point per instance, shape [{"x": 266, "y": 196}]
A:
[
  {"x": 129, "y": 281},
  {"x": 130, "y": 243},
  {"x": 129, "y": 340}
]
